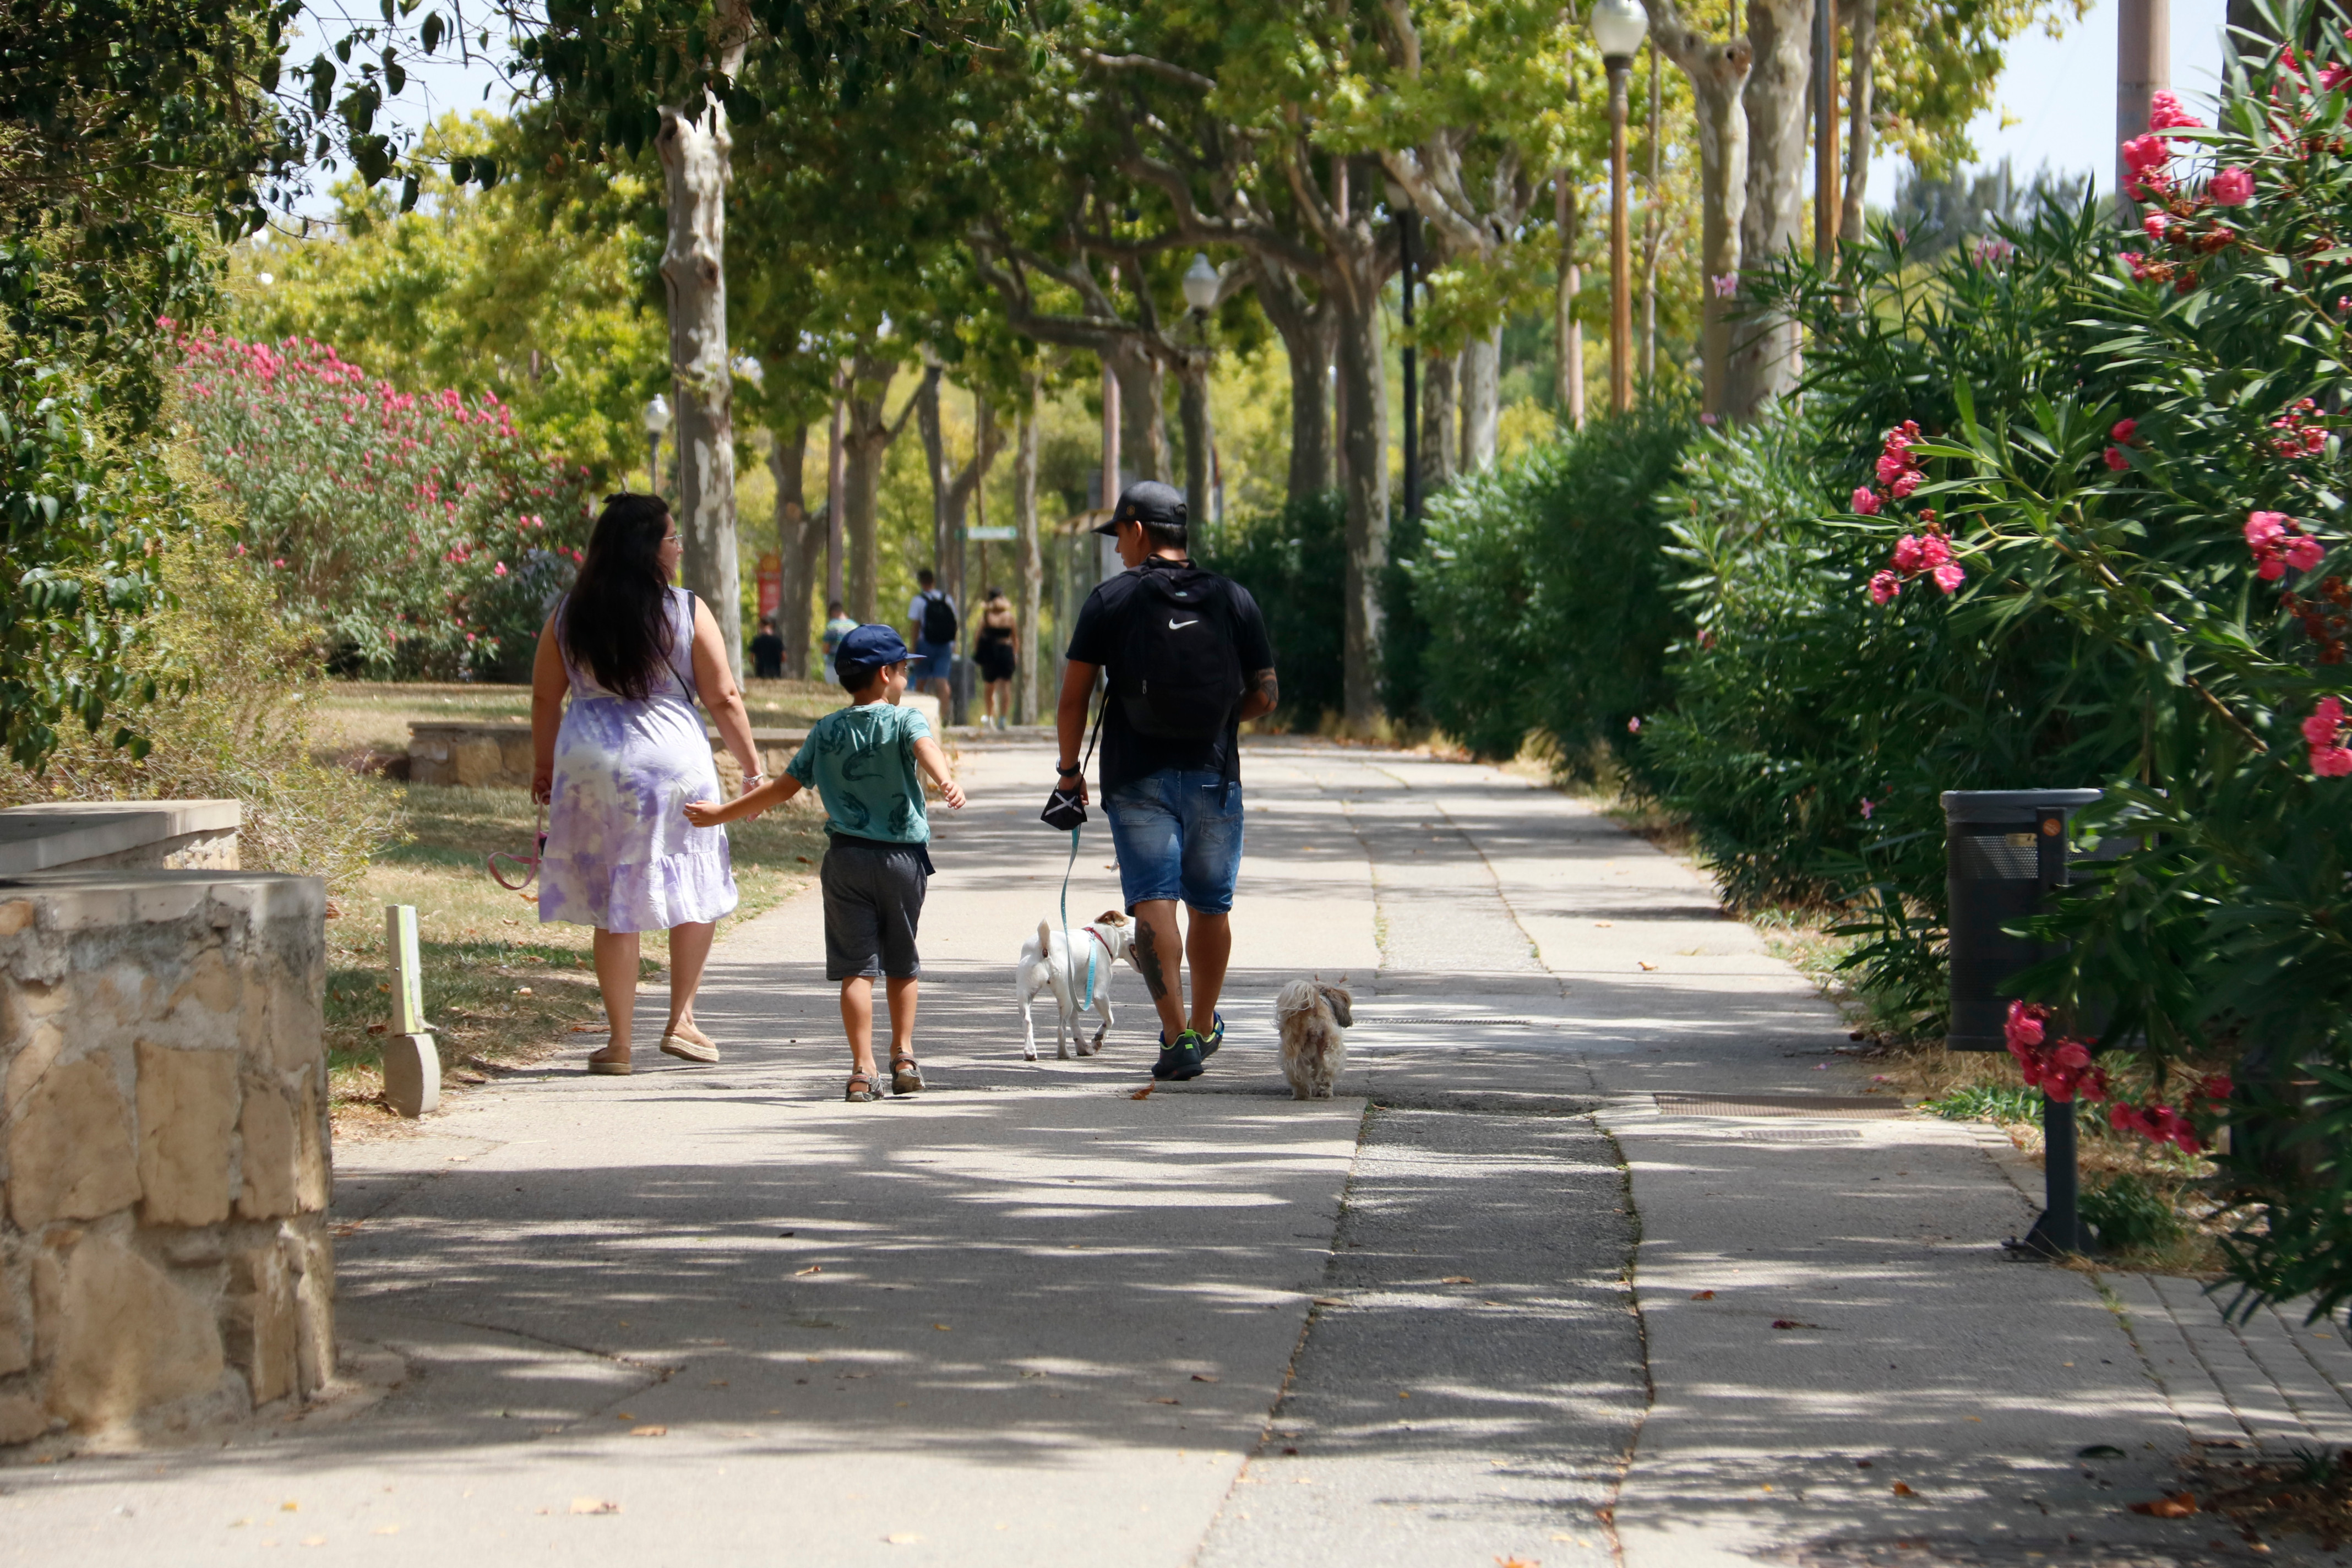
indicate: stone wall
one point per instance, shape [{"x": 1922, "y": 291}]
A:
[
  {"x": 497, "y": 756},
  {"x": 165, "y": 1168},
  {"x": 120, "y": 834}
]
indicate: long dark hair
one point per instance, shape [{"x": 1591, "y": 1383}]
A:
[{"x": 616, "y": 624}]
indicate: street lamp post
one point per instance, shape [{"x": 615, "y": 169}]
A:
[
  {"x": 1618, "y": 27},
  {"x": 1202, "y": 283},
  {"x": 656, "y": 421}
]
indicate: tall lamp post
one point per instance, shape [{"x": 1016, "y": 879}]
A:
[
  {"x": 1202, "y": 283},
  {"x": 1618, "y": 27},
  {"x": 656, "y": 421}
]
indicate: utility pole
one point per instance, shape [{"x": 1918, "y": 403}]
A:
[
  {"x": 2143, "y": 65},
  {"x": 1828, "y": 201}
]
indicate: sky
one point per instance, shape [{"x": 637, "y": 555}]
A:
[{"x": 2057, "y": 94}]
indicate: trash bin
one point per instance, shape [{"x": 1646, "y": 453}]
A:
[{"x": 2003, "y": 847}]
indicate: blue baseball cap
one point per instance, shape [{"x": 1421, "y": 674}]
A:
[{"x": 870, "y": 648}]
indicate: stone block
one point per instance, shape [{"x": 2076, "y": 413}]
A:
[
  {"x": 70, "y": 1154},
  {"x": 187, "y": 1111},
  {"x": 41, "y": 1050},
  {"x": 21, "y": 1419},
  {"x": 476, "y": 761},
  {"x": 270, "y": 1151},
  {"x": 15, "y": 1345},
  {"x": 260, "y": 1323},
  {"x": 15, "y": 915},
  {"x": 412, "y": 1074},
  {"x": 121, "y": 1336},
  {"x": 314, "y": 1181},
  {"x": 310, "y": 1255}
]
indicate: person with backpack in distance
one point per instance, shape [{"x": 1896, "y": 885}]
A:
[
  {"x": 1188, "y": 660},
  {"x": 931, "y": 627}
]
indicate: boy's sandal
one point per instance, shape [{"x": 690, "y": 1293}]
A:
[
  {"x": 861, "y": 1090},
  {"x": 906, "y": 1076}
]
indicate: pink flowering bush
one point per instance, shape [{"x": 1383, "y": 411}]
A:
[{"x": 420, "y": 533}]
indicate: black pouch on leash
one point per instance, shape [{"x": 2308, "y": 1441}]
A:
[{"x": 1063, "y": 808}]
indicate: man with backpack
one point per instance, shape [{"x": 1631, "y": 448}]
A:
[
  {"x": 1188, "y": 660},
  {"x": 931, "y": 627}
]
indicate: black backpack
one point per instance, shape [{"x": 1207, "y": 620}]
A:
[
  {"x": 1178, "y": 674},
  {"x": 939, "y": 618}
]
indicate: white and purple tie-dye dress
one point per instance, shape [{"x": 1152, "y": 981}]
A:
[{"x": 620, "y": 852}]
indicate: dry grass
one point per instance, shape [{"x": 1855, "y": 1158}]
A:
[{"x": 502, "y": 988}]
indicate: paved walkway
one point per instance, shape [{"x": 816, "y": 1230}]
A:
[{"x": 1554, "y": 1281}]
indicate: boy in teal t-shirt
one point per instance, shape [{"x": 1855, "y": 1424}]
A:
[{"x": 867, "y": 762}]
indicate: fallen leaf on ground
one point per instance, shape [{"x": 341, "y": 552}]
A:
[
  {"x": 1645, "y": 966},
  {"x": 314, "y": 1541},
  {"x": 1164, "y": 1400},
  {"x": 2180, "y": 1505},
  {"x": 811, "y": 1268},
  {"x": 1702, "y": 1295},
  {"x": 1862, "y": 1464},
  {"x": 1517, "y": 1562},
  {"x": 648, "y": 1431},
  {"x": 1202, "y": 1377},
  {"x": 1329, "y": 1301},
  {"x": 289, "y": 1506},
  {"x": 1458, "y": 1280},
  {"x": 1792, "y": 1323},
  {"x": 387, "y": 1530},
  {"x": 1901, "y": 1491},
  {"x": 1402, "y": 1393},
  {"x": 942, "y": 1328},
  {"x": 351, "y": 1229},
  {"x": 1143, "y": 1093},
  {"x": 593, "y": 1505}
]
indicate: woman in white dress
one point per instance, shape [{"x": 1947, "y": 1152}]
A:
[{"x": 634, "y": 654}]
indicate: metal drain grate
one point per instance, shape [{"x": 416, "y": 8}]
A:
[
  {"x": 1394, "y": 1021},
  {"x": 1799, "y": 1134},
  {"x": 1841, "y": 1106}
]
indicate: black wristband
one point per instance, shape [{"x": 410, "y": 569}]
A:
[{"x": 1072, "y": 772}]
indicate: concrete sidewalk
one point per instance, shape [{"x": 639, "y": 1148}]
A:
[{"x": 1554, "y": 1281}]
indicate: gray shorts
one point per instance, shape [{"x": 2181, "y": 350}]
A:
[{"x": 873, "y": 902}]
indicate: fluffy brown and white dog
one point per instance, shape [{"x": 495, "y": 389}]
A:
[
  {"x": 1046, "y": 965},
  {"x": 1310, "y": 1015}
]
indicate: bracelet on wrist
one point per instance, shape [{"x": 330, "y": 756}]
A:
[{"x": 1072, "y": 772}]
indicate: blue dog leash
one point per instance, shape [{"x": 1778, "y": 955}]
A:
[{"x": 1086, "y": 998}]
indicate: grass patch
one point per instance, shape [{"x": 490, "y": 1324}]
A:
[{"x": 503, "y": 988}]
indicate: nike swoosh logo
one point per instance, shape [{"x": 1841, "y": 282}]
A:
[{"x": 1176, "y": 625}]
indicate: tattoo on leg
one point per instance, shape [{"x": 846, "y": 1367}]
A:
[{"x": 1148, "y": 949}]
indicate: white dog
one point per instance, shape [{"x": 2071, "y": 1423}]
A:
[
  {"x": 1046, "y": 965},
  {"x": 1311, "y": 1016}
]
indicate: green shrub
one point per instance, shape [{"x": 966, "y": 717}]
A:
[
  {"x": 1289, "y": 560},
  {"x": 1543, "y": 592},
  {"x": 2129, "y": 1214},
  {"x": 246, "y": 727},
  {"x": 2003, "y": 1102}
]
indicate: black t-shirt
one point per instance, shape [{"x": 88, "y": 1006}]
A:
[
  {"x": 1127, "y": 755},
  {"x": 768, "y": 654}
]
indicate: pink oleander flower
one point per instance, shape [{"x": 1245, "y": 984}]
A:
[
  {"x": 1883, "y": 585},
  {"x": 2265, "y": 528},
  {"x": 1891, "y": 465},
  {"x": 1726, "y": 284},
  {"x": 2124, "y": 429},
  {"x": 2136, "y": 262},
  {"x": 2146, "y": 154},
  {"x": 1633, "y": 725},
  {"x": 2155, "y": 224},
  {"x": 1904, "y": 483},
  {"x": 1948, "y": 577},
  {"x": 1866, "y": 809},
  {"x": 2305, "y": 552},
  {"x": 2164, "y": 114},
  {"x": 2024, "y": 1027},
  {"x": 2326, "y": 722},
  {"x": 1865, "y": 500},
  {"x": 1908, "y": 555},
  {"x": 2231, "y": 187},
  {"x": 2332, "y": 761},
  {"x": 1935, "y": 549},
  {"x": 2116, "y": 459}
]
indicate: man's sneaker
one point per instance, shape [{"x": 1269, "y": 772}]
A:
[
  {"x": 1217, "y": 1036},
  {"x": 1181, "y": 1060}
]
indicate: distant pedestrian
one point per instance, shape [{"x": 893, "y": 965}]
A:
[
  {"x": 866, "y": 761},
  {"x": 768, "y": 651},
  {"x": 836, "y": 627},
  {"x": 634, "y": 654},
  {"x": 1188, "y": 660},
  {"x": 931, "y": 627},
  {"x": 993, "y": 654}
]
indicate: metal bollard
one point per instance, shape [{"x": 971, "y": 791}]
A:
[{"x": 2004, "y": 849}]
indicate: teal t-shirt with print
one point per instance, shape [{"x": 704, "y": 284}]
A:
[{"x": 862, "y": 762}]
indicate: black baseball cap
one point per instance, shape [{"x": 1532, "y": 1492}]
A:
[{"x": 1146, "y": 501}]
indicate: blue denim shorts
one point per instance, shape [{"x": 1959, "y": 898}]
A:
[
  {"x": 1179, "y": 833},
  {"x": 932, "y": 661}
]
